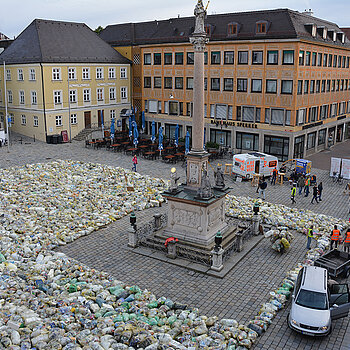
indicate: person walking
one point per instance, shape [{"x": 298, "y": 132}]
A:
[
  {"x": 335, "y": 237},
  {"x": 134, "y": 162},
  {"x": 307, "y": 186},
  {"x": 310, "y": 235},
  {"x": 347, "y": 241},
  {"x": 293, "y": 193},
  {"x": 314, "y": 194},
  {"x": 301, "y": 184},
  {"x": 320, "y": 189},
  {"x": 274, "y": 176},
  {"x": 262, "y": 187}
]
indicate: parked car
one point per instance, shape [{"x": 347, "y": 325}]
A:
[{"x": 315, "y": 303}]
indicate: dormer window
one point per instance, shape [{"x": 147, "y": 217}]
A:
[
  {"x": 312, "y": 29},
  {"x": 232, "y": 29},
  {"x": 341, "y": 37},
  {"x": 261, "y": 27},
  {"x": 322, "y": 31},
  {"x": 208, "y": 29}
]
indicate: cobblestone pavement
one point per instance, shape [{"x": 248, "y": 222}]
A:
[{"x": 240, "y": 294}]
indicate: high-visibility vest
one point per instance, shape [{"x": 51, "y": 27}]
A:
[
  {"x": 347, "y": 237},
  {"x": 310, "y": 233},
  {"x": 293, "y": 191},
  {"x": 335, "y": 235}
]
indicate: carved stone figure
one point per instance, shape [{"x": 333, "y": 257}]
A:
[
  {"x": 205, "y": 191},
  {"x": 200, "y": 14},
  {"x": 173, "y": 181},
  {"x": 219, "y": 178}
]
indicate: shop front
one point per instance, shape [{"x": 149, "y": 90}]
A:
[{"x": 277, "y": 146}]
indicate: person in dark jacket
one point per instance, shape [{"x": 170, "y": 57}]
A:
[
  {"x": 262, "y": 187},
  {"x": 320, "y": 189},
  {"x": 314, "y": 194}
]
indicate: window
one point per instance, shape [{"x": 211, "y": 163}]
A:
[
  {"x": 179, "y": 58},
  {"x": 189, "y": 83},
  {"x": 147, "y": 82},
  {"x": 99, "y": 94},
  {"x": 323, "y": 86},
  {"x": 333, "y": 110},
  {"x": 318, "y": 86},
  {"x": 86, "y": 73},
  {"x": 8, "y": 74},
  {"x": 339, "y": 61},
  {"x": 99, "y": 73},
  {"x": 272, "y": 57},
  {"x": 147, "y": 59},
  {"x": 23, "y": 119},
  {"x": 111, "y": 73},
  {"x": 190, "y": 58},
  {"x": 277, "y": 146},
  {"x": 215, "y": 57},
  {"x": 56, "y": 73},
  {"x": 311, "y": 142},
  {"x": 319, "y": 59},
  {"x": 242, "y": 57},
  {"x": 112, "y": 93},
  {"x": 256, "y": 85},
  {"x": 168, "y": 82},
  {"x": 157, "y": 82},
  {"x": 330, "y": 60},
  {"x": 271, "y": 86},
  {"x": 257, "y": 57},
  {"x": 206, "y": 57},
  {"x": 277, "y": 116},
  {"x": 242, "y": 85},
  {"x": 229, "y": 57},
  {"x": 335, "y": 59},
  {"x": 168, "y": 58},
  {"x": 35, "y": 121},
  {"x": 247, "y": 114},
  {"x": 152, "y": 106},
  {"x": 123, "y": 93},
  {"x": 307, "y": 58},
  {"x": 112, "y": 114},
  {"x": 300, "y": 87},
  {"x": 301, "y": 57},
  {"x": 325, "y": 58},
  {"x": 247, "y": 141},
  {"x": 32, "y": 74},
  {"x": 321, "y": 137},
  {"x": 288, "y": 57},
  {"x": 333, "y": 84},
  {"x": 324, "y": 112},
  {"x": 312, "y": 114},
  {"x": 58, "y": 120},
  {"x": 123, "y": 73},
  {"x": 287, "y": 87},
  {"x": 228, "y": 84},
  {"x": 21, "y": 97},
  {"x": 347, "y": 62},
  {"x": 232, "y": 29},
  {"x": 73, "y": 119},
  {"x": 179, "y": 83},
  {"x": 312, "y": 86},
  {"x": 314, "y": 57},
  {"x": 57, "y": 97},
  {"x": 72, "y": 96},
  {"x": 215, "y": 84},
  {"x": 33, "y": 97},
  {"x": 261, "y": 28},
  {"x": 9, "y": 96},
  {"x": 20, "y": 74},
  {"x": 86, "y": 95},
  {"x": 205, "y": 84},
  {"x": 157, "y": 59},
  {"x": 328, "y": 89},
  {"x": 301, "y": 116},
  {"x": 72, "y": 73}
]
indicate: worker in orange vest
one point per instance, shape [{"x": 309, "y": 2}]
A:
[
  {"x": 335, "y": 237},
  {"x": 347, "y": 241}
]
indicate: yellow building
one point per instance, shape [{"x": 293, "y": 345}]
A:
[
  {"x": 60, "y": 79},
  {"x": 276, "y": 81}
]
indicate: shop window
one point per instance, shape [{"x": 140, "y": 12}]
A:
[
  {"x": 247, "y": 141},
  {"x": 277, "y": 146},
  {"x": 321, "y": 137},
  {"x": 311, "y": 140}
]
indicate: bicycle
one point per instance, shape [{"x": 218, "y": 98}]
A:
[{"x": 337, "y": 178}]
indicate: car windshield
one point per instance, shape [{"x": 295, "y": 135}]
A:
[{"x": 312, "y": 300}]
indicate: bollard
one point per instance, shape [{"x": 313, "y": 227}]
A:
[
  {"x": 217, "y": 256},
  {"x": 256, "y": 223},
  {"x": 171, "y": 247},
  {"x": 239, "y": 240},
  {"x": 132, "y": 234},
  {"x": 157, "y": 220}
]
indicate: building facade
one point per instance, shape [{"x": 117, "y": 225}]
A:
[
  {"x": 275, "y": 81},
  {"x": 62, "y": 89}
]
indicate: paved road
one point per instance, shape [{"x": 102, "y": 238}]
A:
[{"x": 240, "y": 294}]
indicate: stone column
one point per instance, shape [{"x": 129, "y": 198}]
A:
[
  {"x": 157, "y": 220},
  {"x": 256, "y": 223},
  {"x": 132, "y": 235},
  {"x": 171, "y": 247},
  {"x": 217, "y": 256}
]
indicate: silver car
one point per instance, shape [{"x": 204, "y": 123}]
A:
[{"x": 315, "y": 304}]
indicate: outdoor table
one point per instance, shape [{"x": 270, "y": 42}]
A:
[
  {"x": 132, "y": 150},
  {"x": 143, "y": 146},
  {"x": 179, "y": 155},
  {"x": 150, "y": 155},
  {"x": 170, "y": 158},
  {"x": 280, "y": 178},
  {"x": 114, "y": 146}
]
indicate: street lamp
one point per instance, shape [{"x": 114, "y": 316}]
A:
[
  {"x": 218, "y": 241},
  {"x": 133, "y": 220},
  {"x": 256, "y": 208}
]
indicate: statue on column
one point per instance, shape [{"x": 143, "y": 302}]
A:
[
  {"x": 219, "y": 178},
  {"x": 200, "y": 14},
  {"x": 205, "y": 191}
]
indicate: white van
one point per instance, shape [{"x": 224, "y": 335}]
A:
[
  {"x": 315, "y": 304},
  {"x": 248, "y": 164}
]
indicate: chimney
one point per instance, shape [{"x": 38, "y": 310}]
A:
[{"x": 308, "y": 12}]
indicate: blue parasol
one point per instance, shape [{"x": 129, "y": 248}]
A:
[
  {"x": 130, "y": 126},
  {"x": 153, "y": 137},
  {"x": 143, "y": 122},
  {"x": 187, "y": 142},
  {"x": 112, "y": 128},
  {"x": 136, "y": 134},
  {"x": 177, "y": 135},
  {"x": 160, "y": 146}
]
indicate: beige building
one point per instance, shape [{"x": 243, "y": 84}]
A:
[{"x": 60, "y": 79}]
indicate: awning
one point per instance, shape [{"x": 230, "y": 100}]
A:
[{"x": 125, "y": 112}]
